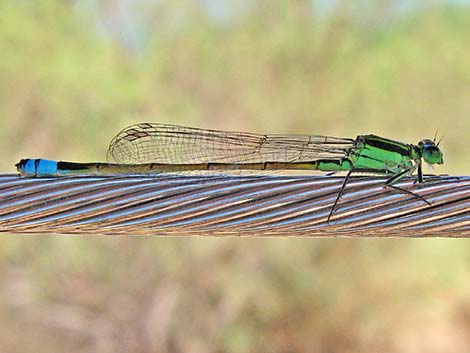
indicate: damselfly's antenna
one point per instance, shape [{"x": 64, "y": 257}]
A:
[{"x": 435, "y": 136}]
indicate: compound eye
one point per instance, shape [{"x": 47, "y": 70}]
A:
[
  {"x": 426, "y": 142},
  {"x": 432, "y": 155}
]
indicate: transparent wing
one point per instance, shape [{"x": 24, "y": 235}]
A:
[{"x": 165, "y": 143}]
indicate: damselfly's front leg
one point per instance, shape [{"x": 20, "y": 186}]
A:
[{"x": 420, "y": 171}]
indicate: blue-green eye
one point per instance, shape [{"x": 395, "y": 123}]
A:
[{"x": 432, "y": 154}]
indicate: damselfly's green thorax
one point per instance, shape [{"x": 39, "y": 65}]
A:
[
  {"x": 372, "y": 150},
  {"x": 378, "y": 155}
]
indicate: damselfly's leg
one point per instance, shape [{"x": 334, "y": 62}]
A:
[
  {"x": 397, "y": 177},
  {"x": 429, "y": 177},
  {"x": 340, "y": 193},
  {"x": 420, "y": 173}
]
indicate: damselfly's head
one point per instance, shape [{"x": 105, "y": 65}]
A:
[{"x": 430, "y": 151}]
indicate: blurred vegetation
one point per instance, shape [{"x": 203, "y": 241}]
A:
[{"x": 72, "y": 74}]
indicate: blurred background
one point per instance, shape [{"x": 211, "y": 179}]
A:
[{"x": 73, "y": 73}]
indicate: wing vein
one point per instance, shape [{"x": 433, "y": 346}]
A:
[{"x": 165, "y": 143}]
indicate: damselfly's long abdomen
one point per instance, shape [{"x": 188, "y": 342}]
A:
[{"x": 45, "y": 167}]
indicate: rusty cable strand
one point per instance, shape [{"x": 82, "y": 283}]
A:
[{"x": 234, "y": 205}]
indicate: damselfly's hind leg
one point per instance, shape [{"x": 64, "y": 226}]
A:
[{"x": 340, "y": 193}]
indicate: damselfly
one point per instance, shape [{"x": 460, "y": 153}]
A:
[{"x": 151, "y": 148}]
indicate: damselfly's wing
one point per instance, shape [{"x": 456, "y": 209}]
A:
[{"x": 165, "y": 143}]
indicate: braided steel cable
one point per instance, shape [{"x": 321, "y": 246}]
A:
[{"x": 239, "y": 205}]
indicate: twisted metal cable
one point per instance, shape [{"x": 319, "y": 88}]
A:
[{"x": 239, "y": 205}]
